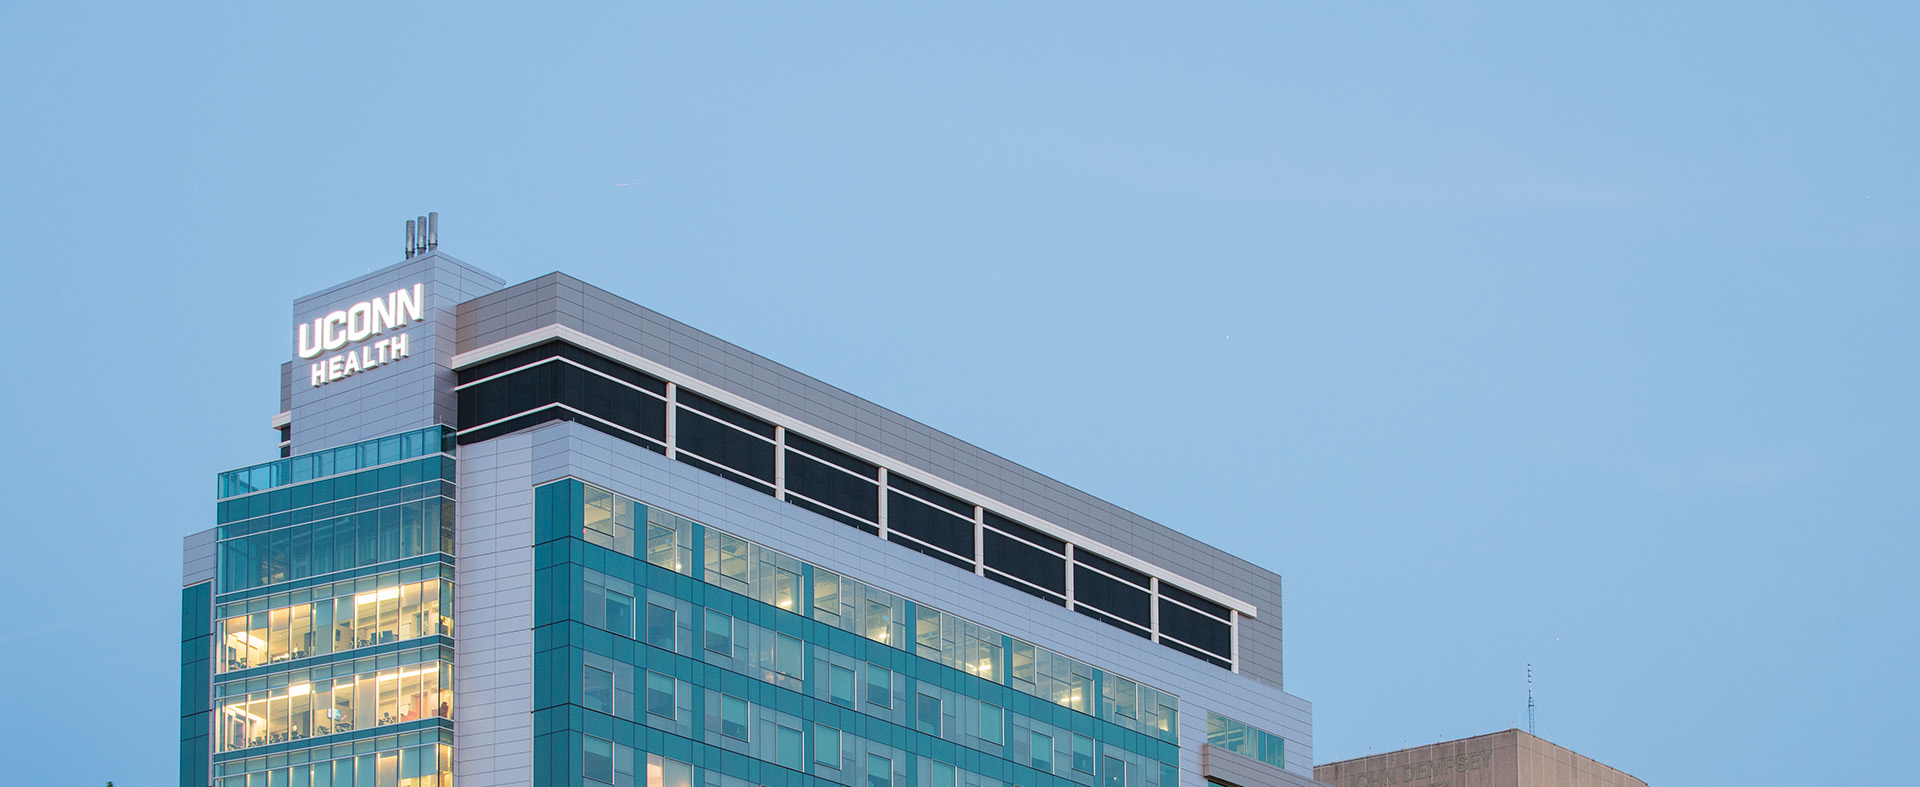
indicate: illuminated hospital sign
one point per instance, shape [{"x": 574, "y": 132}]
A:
[{"x": 355, "y": 325}]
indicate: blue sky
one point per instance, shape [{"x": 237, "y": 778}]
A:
[{"x": 1577, "y": 335}]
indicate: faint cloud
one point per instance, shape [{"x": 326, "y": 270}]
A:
[{"x": 1750, "y": 471}]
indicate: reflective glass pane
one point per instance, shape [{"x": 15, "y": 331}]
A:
[
  {"x": 879, "y": 686},
  {"x": 659, "y": 694},
  {"x": 992, "y": 724},
  {"x": 826, "y": 746},
  {"x": 719, "y": 633},
  {"x": 840, "y": 685},
  {"x": 1041, "y": 746},
  {"x": 597, "y": 759},
  {"x": 788, "y": 748},
  {"x": 788, "y": 656},
  {"x": 596, "y": 689},
  {"x": 733, "y": 717}
]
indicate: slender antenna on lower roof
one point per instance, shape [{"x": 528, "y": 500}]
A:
[{"x": 1530, "y": 700}]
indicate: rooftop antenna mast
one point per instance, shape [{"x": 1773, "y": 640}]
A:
[{"x": 1530, "y": 700}]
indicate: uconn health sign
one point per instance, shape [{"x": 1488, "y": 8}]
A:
[{"x": 368, "y": 331}]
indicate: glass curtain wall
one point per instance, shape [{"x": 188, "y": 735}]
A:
[{"x": 391, "y": 612}]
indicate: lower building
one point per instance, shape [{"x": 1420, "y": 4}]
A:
[
  {"x": 1503, "y": 759},
  {"x": 539, "y": 534}
]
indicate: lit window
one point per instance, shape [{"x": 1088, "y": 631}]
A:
[
  {"x": 727, "y": 558},
  {"x": 663, "y": 541},
  {"x": 785, "y": 591},
  {"x": 879, "y": 622},
  {"x": 826, "y": 596},
  {"x": 663, "y": 772}
]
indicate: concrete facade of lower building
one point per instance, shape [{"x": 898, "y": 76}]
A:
[{"x": 1503, "y": 759}]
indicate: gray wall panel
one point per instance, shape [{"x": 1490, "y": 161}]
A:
[
  {"x": 198, "y": 556},
  {"x": 493, "y": 599}
]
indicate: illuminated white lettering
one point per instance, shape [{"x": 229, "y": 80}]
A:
[
  {"x": 359, "y": 321},
  {"x": 406, "y": 306},
  {"x": 331, "y": 340},
  {"x": 383, "y": 314},
  {"x": 310, "y": 333}
]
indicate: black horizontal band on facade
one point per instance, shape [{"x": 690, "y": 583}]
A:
[{"x": 558, "y": 381}]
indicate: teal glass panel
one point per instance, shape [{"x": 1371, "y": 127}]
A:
[
  {"x": 719, "y": 633},
  {"x": 826, "y": 746},
  {"x": 788, "y": 656},
  {"x": 619, "y": 613},
  {"x": 992, "y": 724},
  {"x": 196, "y": 679},
  {"x": 926, "y": 714},
  {"x": 596, "y": 760},
  {"x": 840, "y": 685},
  {"x": 879, "y": 686},
  {"x": 659, "y": 694},
  {"x": 660, "y": 626},
  {"x": 789, "y": 748},
  {"x": 733, "y": 717},
  {"x": 335, "y": 525},
  {"x": 345, "y": 459},
  {"x": 596, "y": 689}
]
